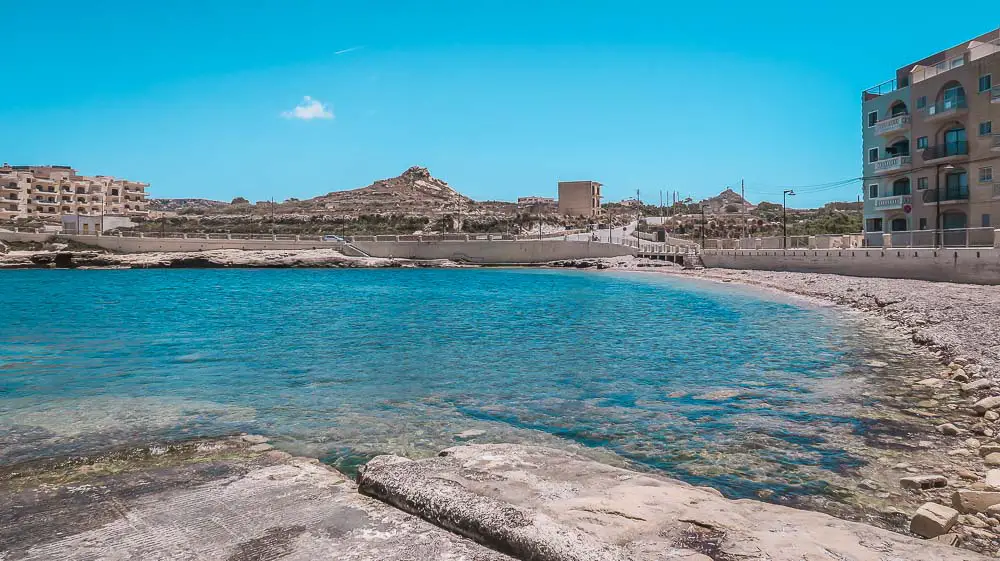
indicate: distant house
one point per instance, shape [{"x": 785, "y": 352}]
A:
[
  {"x": 528, "y": 202},
  {"x": 579, "y": 198}
]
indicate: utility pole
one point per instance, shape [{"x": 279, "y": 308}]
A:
[
  {"x": 703, "y": 226},
  {"x": 272, "y": 215},
  {"x": 638, "y": 209},
  {"x": 743, "y": 196}
]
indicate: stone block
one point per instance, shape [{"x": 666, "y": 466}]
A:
[
  {"x": 919, "y": 482},
  {"x": 933, "y": 520},
  {"x": 967, "y": 500}
]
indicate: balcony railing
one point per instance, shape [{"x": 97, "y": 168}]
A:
[
  {"x": 890, "y": 164},
  {"x": 996, "y": 142},
  {"x": 947, "y": 194},
  {"x": 996, "y": 190},
  {"x": 995, "y": 98},
  {"x": 948, "y": 106},
  {"x": 947, "y": 150},
  {"x": 951, "y": 237},
  {"x": 893, "y": 124},
  {"x": 892, "y": 203}
]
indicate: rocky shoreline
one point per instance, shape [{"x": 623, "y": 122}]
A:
[
  {"x": 955, "y": 473},
  {"x": 216, "y": 259}
]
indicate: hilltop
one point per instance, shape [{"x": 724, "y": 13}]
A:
[{"x": 415, "y": 192}]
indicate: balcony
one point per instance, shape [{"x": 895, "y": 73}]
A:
[
  {"x": 996, "y": 143},
  {"x": 948, "y": 195},
  {"x": 893, "y": 124},
  {"x": 893, "y": 203},
  {"x": 892, "y": 164},
  {"x": 947, "y": 108},
  {"x": 995, "y": 97},
  {"x": 948, "y": 150},
  {"x": 996, "y": 190}
]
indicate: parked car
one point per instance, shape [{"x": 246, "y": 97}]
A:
[{"x": 333, "y": 238}]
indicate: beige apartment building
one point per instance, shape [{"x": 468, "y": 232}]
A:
[
  {"x": 931, "y": 160},
  {"x": 49, "y": 192},
  {"x": 579, "y": 198}
]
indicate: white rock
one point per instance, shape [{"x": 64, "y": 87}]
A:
[
  {"x": 992, "y": 480},
  {"x": 992, "y": 459},
  {"x": 471, "y": 433},
  {"x": 991, "y": 415}
]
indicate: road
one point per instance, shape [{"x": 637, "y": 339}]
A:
[{"x": 617, "y": 234}]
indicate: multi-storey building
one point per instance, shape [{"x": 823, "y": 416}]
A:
[
  {"x": 931, "y": 141},
  {"x": 48, "y": 192},
  {"x": 579, "y": 198}
]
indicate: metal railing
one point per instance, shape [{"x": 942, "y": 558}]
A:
[
  {"x": 950, "y": 237},
  {"x": 948, "y": 149},
  {"x": 952, "y": 193}
]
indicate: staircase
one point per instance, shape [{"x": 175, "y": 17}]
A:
[{"x": 693, "y": 261}]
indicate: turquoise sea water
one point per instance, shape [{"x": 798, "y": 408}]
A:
[{"x": 713, "y": 384}]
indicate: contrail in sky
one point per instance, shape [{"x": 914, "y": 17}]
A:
[{"x": 344, "y": 51}]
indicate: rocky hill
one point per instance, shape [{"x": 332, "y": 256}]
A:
[
  {"x": 727, "y": 198},
  {"x": 415, "y": 192}
]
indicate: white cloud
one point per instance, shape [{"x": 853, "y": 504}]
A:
[
  {"x": 309, "y": 109},
  {"x": 345, "y": 51}
]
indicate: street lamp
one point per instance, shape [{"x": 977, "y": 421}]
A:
[
  {"x": 938, "y": 231},
  {"x": 784, "y": 215}
]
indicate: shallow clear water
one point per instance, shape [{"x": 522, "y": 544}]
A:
[{"x": 717, "y": 385}]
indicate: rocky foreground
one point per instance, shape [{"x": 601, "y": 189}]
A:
[
  {"x": 216, "y": 259},
  {"x": 237, "y": 499}
]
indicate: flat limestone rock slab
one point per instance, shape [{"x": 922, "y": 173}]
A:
[
  {"x": 230, "y": 504},
  {"x": 545, "y": 504}
]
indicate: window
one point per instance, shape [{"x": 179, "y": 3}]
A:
[
  {"x": 921, "y": 143},
  {"x": 872, "y": 155},
  {"x": 956, "y": 62},
  {"x": 874, "y": 225},
  {"x": 872, "y": 119},
  {"x": 956, "y": 187},
  {"x": 898, "y": 225},
  {"x": 986, "y": 221},
  {"x": 873, "y": 191},
  {"x": 986, "y": 174},
  {"x": 986, "y": 128},
  {"x": 985, "y": 83},
  {"x": 922, "y": 102},
  {"x": 923, "y": 223},
  {"x": 921, "y": 183}
]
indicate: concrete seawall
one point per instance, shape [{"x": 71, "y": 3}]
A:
[
  {"x": 964, "y": 265},
  {"x": 495, "y": 252},
  {"x": 471, "y": 251}
]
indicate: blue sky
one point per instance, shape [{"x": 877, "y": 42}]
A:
[{"x": 499, "y": 98}]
